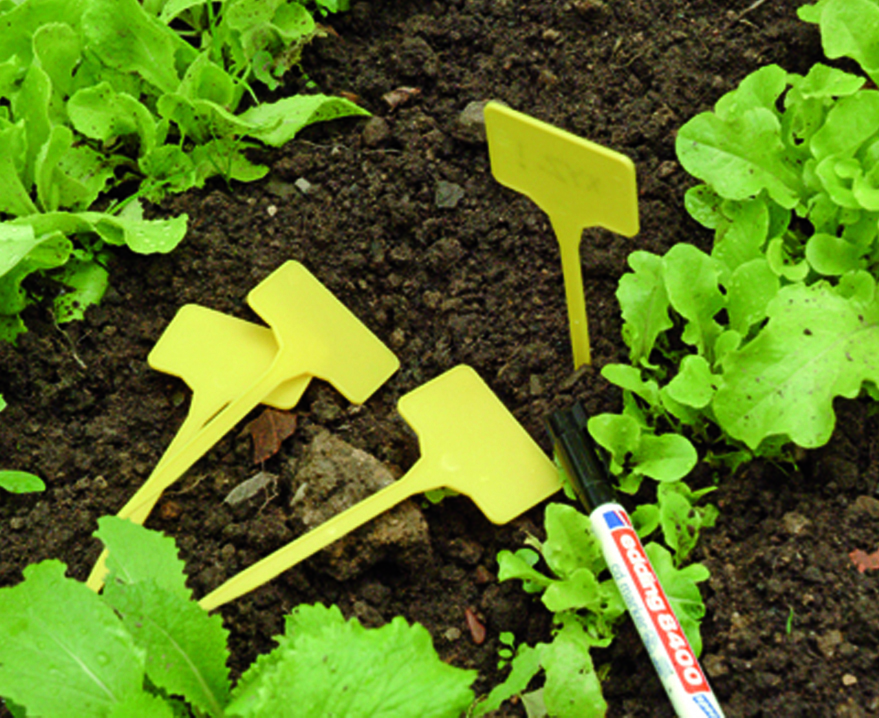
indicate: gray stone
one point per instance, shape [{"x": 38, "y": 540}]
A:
[
  {"x": 281, "y": 189},
  {"x": 260, "y": 481},
  {"x": 829, "y": 642},
  {"x": 304, "y": 186},
  {"x": 470, "y": 125},
  {"x": 868, "y": 505},
  {"x": 375, "y": 132},
  {"x": 715, "y": 666},
  {"x": 452, "y": 634},
  {"x": 448, "y": 194},
  {"x": 368, "y": 616},
  {"x": 332, "y": 476},
  {"x": 794, "y": 523},
  {"x": 17, "y": 523}
]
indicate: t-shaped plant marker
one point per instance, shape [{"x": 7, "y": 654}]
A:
[
  {"x": 312, "y": 335},
  {"x": 577, "y": 183},
  {"x": 469, "y": 443},
  {"x": 218, "y": 356}
]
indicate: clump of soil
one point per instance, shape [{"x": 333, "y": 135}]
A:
[{"x": 400, "y": 218}]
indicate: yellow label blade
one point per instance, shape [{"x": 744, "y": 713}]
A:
[
  {"x": 577, "y": 183},
  {"x": 566, "y": 176}
]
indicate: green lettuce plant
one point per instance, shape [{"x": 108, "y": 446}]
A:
[
  {"x": 849, "y": 28},
  {"x": 105, "y": 96},
  {"x": 795, "y": 217},
  {"x": 586, "y": 605},
  {"x": 744, "y": 349},
  {"x": 145, "y": 649}
]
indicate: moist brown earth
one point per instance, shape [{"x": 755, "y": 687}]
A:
[{"x": 792, "y": 628}]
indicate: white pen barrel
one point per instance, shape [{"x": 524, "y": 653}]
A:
[{"x": 671, "y": 653}]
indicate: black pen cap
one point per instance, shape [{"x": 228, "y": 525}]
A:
[{"x": 575, "y": 449}]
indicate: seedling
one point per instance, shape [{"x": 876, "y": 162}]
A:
[
  {"x": 20, "y": 482},
  {"x": 642, "y": 591},
  {"x": 578, "y": 183},
  {"x": 314, "y": 335},
  {"x": 507, "y": 650},
  {"x": 586, "y": 605},
  {"x": 469, "y": 443}
]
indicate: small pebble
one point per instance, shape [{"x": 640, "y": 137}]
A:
[
  {"x": 867, "y": 505},
  {"x": 397, "y": 338},
  {"x": 849, "y": 680},
  {"x": 828, "y": 643},
  {"x": 272, "y": 210},
  {"x": 250, "y": 487},
  {"x": 470, "y": 125},
  {"x": 715, "y": 666},
  {"x": 794, "y": 523},
  {"x": 535, "y": 385},
  {"x": 452, "y": 634},
  {"x": 304, "y": 186},
  {"x": 448, "y": 194},
  {"x": 547, "y": 78},
  {"x": 375, "y": 132},
  {"x": 666, "y": 169}
]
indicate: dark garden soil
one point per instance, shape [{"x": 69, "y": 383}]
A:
[{"x": 792, "y": 628}]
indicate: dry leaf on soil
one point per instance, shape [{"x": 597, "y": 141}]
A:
[
  {"x": 865, "y": 561},
  {"x": 475, "y": 626},
  {"x": 400, "y": 96},
  {"x": 268, "y": 430}
]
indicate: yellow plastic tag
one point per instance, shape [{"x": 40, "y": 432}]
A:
[
  {"x": 470, "y": 443},
  {"x": 232, "y": 366},
  {"x": 578, "y": 183}
]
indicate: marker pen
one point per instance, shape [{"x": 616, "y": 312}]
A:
[{"x": 671, "y": 653}]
